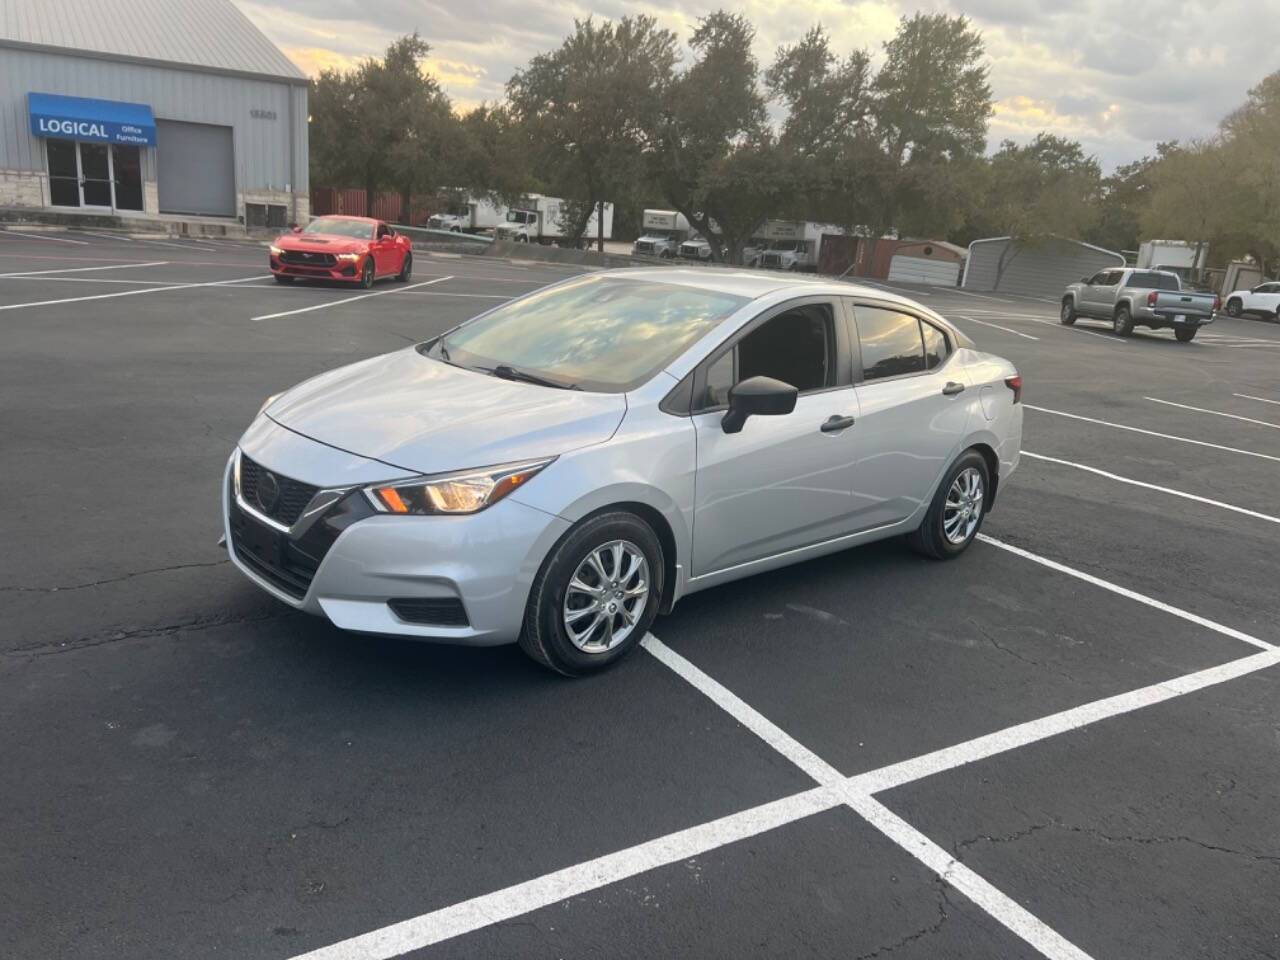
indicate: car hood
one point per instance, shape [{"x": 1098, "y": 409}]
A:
[
  {"x": 419, "y": 414},
  {"x": 321, "y": 243}
]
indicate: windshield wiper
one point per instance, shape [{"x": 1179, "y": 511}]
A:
[{"x": 508, "y": 372}]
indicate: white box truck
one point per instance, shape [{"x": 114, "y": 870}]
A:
[
  {"x": 1175, "y": 256},
  {"x": 664, "y": 231},
  {"x": 539, "y": 219},
  {"x": 469, "y": 215},
  {"x": 793, "y": 244}
]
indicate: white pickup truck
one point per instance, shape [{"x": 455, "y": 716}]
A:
[{"x": 1131, "y": 298}]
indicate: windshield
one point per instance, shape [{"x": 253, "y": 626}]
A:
[
  {"x": 601, "y": 333},
  {"x": 338, "y": 226},
  {"x": 1152, "y": 281}
]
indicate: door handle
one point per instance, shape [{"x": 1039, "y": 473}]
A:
[
  {"x": 836, "y": 423},
  {"x": 952, "y": 388}
]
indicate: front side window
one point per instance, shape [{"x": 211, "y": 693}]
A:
[
  {"x": 341, "y": 227},
  {"x": 602, "y": 333},
  {"x": 891, "y": 343},
  {"x": 797, "y": 347},
  {"x": 1099, "y": 279}
]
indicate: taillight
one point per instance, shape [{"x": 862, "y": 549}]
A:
[
  {"x": 1014, "y": 384},
  {"x": 1151, "y": 298}
]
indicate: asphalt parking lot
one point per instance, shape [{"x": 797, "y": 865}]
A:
[{"x": 1066, "y": 743}]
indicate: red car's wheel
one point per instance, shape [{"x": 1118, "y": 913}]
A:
[
  {"x": 366, "y": 275},
  {"x": 406, "y": 268}
]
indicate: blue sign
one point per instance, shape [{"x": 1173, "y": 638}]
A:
[{"x": 82, "y": 118}]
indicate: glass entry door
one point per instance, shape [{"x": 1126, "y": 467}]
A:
[
  {"x": 95, "y": 174},
  {"x": 106, "y": 176}
]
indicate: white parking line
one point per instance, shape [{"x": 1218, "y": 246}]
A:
[
  {"x": 124, "y": 293},
  {"x": 1153, "y": 433},
  {"x": 338, "y": 303},
  {"x": 978, "y": 296},
  {"x": 1016, "y": 918},
  {"x": 41, "y": 236},
  {"x": 997, "y": 326},
  {"x": 107, "y": 236},
  {"x": 1247, "y": 396},
  {"x": 1156, "y": 487},
  {"x": 116, "y": 266},
  {"x": 1109, "y": 337},
  {"x": 1131, "y": 594},
  {"x": 446, "y": 293},
  {"x": 1216, "y": 413},
  {"x": 1011, "y": 738},
  {"x": 135, "y": 282}
]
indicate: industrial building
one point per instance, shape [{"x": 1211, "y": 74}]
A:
[
  {"x": 149, "y": 109},
  {"x": 1034, "y": 266}
]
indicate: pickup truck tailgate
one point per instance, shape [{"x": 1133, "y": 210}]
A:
[{"x": 1182, "y": 306}]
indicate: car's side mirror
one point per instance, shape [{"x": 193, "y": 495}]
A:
[
  {"x": 758, "y": 397},
  {"x": 297, "y": 229},
  {"x": 1085, "y": 279}
]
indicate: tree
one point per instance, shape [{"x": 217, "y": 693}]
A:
[
  {"x": 492, "y": 157},
  {"x": 1044, "y": 189},
  {"x": 585, "y": 108},
  {"x": 1251, "y": 157},
  {"x": 1186, "y": 194},
  {"x": 827, "y": 101},
  {"x": 710, "y": 132},
  {"x": 382, "y": 123},
  {"x": 1122, "y": 200}
]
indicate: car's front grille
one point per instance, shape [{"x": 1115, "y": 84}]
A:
[
  {"x": 643, "y": 246},
  {"x": 434, "y": 611},
  {"x": 287, "y": 563},
  {"x": 307, "y": 258},
  {"x": 279, "y": 497},
  {"x": 772, "y": 260}
]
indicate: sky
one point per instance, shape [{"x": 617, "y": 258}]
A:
[{"x": 1117, "y": 77}]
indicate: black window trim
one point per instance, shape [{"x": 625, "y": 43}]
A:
[
  {"x": 859, "y": 377},
  {"x": 843, "y": 358}
]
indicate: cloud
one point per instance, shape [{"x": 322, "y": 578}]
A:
[{"x": 1118, "y": 80}]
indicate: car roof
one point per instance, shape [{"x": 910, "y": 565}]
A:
[{"x": 755, "y": 284}]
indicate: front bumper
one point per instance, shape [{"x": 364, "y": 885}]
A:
[
  {"x": 461, "y": 579},
  {"x": 345, "y": 270}
]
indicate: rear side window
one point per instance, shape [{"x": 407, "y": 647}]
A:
[
  {"x": 1146, "y": 280},
  {"x": 891, "y": 343},
  {"x": 935, "y": 345}
]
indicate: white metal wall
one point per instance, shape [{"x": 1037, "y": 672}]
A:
[
  {"x": 942, "y": 273},
  {"x": 1041, "y": 269},
  {"x": 265, "y": 158}
]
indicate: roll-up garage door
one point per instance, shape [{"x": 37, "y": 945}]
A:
[
  {"x": 943, "y": 273},
  {"x": 195, "y": 168}
]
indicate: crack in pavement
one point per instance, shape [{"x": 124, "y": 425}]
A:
[
  {"x": 943, "y": 903},
  {"x": 119, "y": 579},
  {"x": 957, "y": 846},
  {"x": 1018, "y": 656},
  {"x": 195, "y": 623}
]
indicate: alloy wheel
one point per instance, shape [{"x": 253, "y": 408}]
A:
[
  {"x": 606, "y": 596},
  {"x": 963, "y": 509}
]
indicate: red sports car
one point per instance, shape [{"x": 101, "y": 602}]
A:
[{"x": 351, "y": 249}]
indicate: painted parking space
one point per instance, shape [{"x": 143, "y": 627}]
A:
[{"x": 217, "y": 772}]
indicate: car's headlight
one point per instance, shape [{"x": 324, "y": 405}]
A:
[
  {"x": 466, "y": 491},
  {"x": 349, "y": 256},
  {"x": 275, "y": 251},
  {"x": 266, "y": 403}
]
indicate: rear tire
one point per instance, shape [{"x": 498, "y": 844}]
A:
[
  {"x": 406, "y": 269},
  {"x": 1233, "y": 307},
  {"x": 1068, "y": 315},
  {"x": 1185, "y": 336},
  {"x": 1122, "y": 323},
  {"x": 947, "y": 529},
  {"x": 604, "y": 637}
]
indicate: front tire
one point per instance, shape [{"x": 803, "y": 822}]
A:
[
  {"x": 595, "y": 596},
  {"x": 1185, "y": 336},
  {"x": 406, "y": 269},
  {"x": 367, "y": 274},
  {"x": 1122, "y": 323},
  {"x": 1233, "y": 307},
  {"x": 959, "y": 506},
  {"x": 281, "y": 278},
  {"x": 1068, "y": 315}
]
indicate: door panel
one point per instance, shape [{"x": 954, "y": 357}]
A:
[
  {"x": 907, "y": 433},
  {"x": 95, "y": 168},
  {"x": 779, "y": 484},
  {"x": 126, "y": 162},
  {"x": 64, "y": 173}
]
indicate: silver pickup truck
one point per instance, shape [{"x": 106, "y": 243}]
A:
[{"x": 1131, "y": 298}]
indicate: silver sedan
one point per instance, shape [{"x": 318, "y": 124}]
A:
[{"x": 561, "y": 469}]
